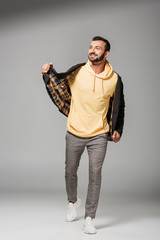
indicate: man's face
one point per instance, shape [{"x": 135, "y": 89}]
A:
[{"x": 96, "y": 51}]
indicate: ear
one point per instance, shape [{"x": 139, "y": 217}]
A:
[{"x": 106, "y": 54}]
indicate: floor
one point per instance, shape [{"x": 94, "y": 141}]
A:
[{"x": 41, "y": 216}]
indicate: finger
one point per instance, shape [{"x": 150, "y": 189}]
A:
[
  {"x": 116, "y": 135},
  {"x": 117, "y": 139},
  {"x": 45, "y": 69},
  {"x": 51, "y": 63},
  {"x": 113, "y": 136}
]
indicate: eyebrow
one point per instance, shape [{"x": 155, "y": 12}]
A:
[{"x": 95, "y": 46}]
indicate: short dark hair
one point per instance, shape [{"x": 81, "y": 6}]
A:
[{"x": 108, "y": 45}]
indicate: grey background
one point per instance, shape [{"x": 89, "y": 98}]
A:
[{"x": 32, "y": 130}]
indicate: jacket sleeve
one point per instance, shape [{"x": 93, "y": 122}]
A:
[
  {"x": 58, "y": 90},
  {"x": 121, "y": 114}
]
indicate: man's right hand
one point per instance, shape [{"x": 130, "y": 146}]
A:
[{"x": 45, "y": 68}]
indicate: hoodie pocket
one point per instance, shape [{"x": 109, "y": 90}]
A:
[{"x": 85, "y": 122}]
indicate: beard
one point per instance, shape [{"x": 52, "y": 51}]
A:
[{"x": 96, "y": 59}]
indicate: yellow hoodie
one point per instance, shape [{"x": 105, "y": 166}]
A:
[{"x": 90, "y": 95}]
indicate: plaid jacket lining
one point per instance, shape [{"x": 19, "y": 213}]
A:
[{"x": 60, "y": 92}]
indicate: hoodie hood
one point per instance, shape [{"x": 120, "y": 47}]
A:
[{"x": 101, "y": 76}]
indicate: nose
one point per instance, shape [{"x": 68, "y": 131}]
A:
[{"x": 93, "y": 50}]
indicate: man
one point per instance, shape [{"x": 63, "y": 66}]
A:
[{"x": 91, "y": 95}]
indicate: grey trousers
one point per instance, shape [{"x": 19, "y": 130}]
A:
[{"x": 96, "y": 148}]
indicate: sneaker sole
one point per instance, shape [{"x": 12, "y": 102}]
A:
[
  {"x": 70, "y": 220},
  {"x": 87, "y": 232}
]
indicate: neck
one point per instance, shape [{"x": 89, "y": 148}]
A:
[{"x": 98, "y": 67}]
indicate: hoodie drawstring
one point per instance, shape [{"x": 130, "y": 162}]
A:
[
  {"x": 94, "y": 85},
  {"x": 102, "y": 88}
]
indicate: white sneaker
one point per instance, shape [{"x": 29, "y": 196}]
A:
[
  {"x": 71, "y": 210},
  {"x": 88, "y": 226}
]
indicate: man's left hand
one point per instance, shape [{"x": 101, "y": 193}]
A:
[{"x": 116, "y": 136}]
